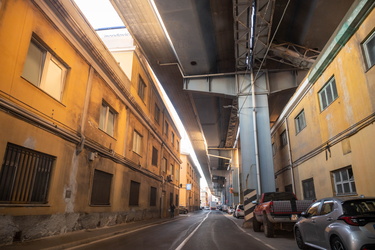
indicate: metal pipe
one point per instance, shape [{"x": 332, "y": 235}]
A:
[
  {"x": 255, "y": 132},
  {"x": 290, "y": 154}
]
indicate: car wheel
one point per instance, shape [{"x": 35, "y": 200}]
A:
[
  {"x": 299, "y": 239},
  {"x": 256, "y": 224},
  {"x": 336, "y": 244},
  {"x": 268, "y": 227}
]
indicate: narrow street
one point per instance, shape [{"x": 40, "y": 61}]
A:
[{"x": 204, "y": 230}]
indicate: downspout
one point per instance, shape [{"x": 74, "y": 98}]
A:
[
  {"x": 85, "y": 110},
  {"x": 251, "y": 55},
  {"x": 255, "y": 132},
  {"x": 290, "y": 154}
]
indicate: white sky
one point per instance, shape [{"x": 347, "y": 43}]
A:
[{"x": 101, "y": 14}]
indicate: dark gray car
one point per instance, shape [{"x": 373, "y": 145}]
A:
[{"x": 338, "y": 224}]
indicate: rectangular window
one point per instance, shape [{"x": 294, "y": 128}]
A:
[
  {"x": 171, "y": 198},
  {"x": 101, "y": 188},
  {"x": 164, "y": 165},
  {"x": 344, "y": 181},
  {"x": 283, "y": 139},
  {"x": 300, "y": 121},
  {"x": 328, "y": 94},
  {"x": 157, "y": 114},
  {"x": 107, "y": 119},
  {"x": 137, "y": 142},
  {"x": 177, "y": 174},
  {"x": 273, "y": 149},
  {"x": 141, "y": 88},
  {"x": 153, "y": 196},
  {"x": 369, "y": 50},
  {"x": 166, "y": 128},
  {"x": 308, "y": 189},
  {"x": 154, "y": 156},
  {"x": 172, "y": 138},
  {"x": 289, "y": 188},
  {"x": 44, "y": 70},
  {"x": 25, "y": 175},
  {"x": 134, "y": 193},
  {"x": 171, "y": 169}
]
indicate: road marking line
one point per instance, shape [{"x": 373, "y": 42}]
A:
[
  {"x": 256, "y": 238},
  {"x": 115, "y": 235},
  {"x": 191, "y": 234}
]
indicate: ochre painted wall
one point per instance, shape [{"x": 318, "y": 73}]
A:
[{"x": 355, "y": 103}]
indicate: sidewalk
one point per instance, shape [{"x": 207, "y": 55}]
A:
[{"x": 72, "y": 239}]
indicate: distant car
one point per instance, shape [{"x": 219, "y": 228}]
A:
[
  {"x": 182, "y": 210},
  {"x": 337, "y": 224},
  {"x": 230, "y": 210},
  {"x": 239, "y": 211},
  {"x": 224, "y": 208}
]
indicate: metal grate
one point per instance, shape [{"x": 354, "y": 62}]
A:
[{"x": 25, "y": 175}]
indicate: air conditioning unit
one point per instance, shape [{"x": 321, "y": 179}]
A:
[{"x": 169, "y": 178}]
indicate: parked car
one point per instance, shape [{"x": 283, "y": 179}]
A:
[
  {"x": 182, "y": 210},
  {"x": 224, "y": 208},
  {"x": 277, "y": 211},
  {"x": 239, "y": 211},
  {"x": 230, "y": 210},
  {"x": 337, "y": 223}
]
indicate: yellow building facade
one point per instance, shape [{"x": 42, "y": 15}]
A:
[
  {"x": 323, "y": 141},
  {"x": 81, "y": 145},
  {"x": 189, "y": 184}
]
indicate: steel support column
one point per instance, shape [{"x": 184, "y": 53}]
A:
[{"x": 255, "y": 138}]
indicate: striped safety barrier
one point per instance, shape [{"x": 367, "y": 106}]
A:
[{"x": 250, "y": 195}]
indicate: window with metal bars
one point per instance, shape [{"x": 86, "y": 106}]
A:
[{"x": 25, "y": 176}]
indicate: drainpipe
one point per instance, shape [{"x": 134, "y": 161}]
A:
[
  {"x": 85, "y": 110},
  {"x": 290, "y": 155},
  {"x": 255, "y": 132}
]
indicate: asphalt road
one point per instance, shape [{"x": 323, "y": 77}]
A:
[{"x": 203, "y": 230}]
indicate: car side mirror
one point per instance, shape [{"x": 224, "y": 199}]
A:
[
  {"x": 304, "y": 214},
  {"x": 255, "y": 202}
]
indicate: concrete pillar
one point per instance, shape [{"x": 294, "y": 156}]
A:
[
  {"x": 249, "y": 140},
  {"x": 235, "y": 178}
]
